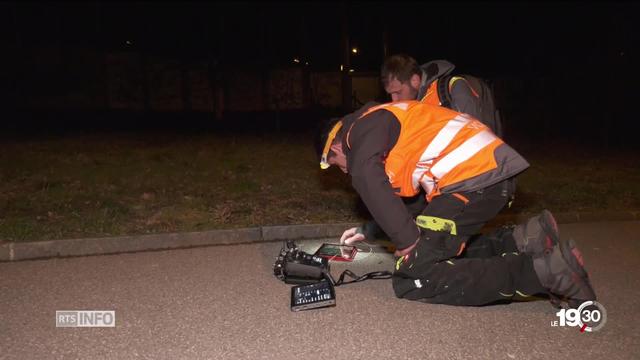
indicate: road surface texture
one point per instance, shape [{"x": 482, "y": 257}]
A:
[{"x": 223, "y": 302}]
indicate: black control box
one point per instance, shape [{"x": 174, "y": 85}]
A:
[
  {"x": 312, "y": 296},
  {"x": 294, "y": 266}
]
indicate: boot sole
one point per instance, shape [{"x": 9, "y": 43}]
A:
[{"x": 573, "y": 257}]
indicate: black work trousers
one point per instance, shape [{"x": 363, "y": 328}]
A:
[{"x": 448, "y": 268}]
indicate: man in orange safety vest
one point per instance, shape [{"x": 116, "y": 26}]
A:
[{"x": 396, "y": 150}]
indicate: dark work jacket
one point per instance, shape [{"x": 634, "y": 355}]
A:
[
  {"x": 370, "y": 142},
  {"x": 463, "y": 98}
]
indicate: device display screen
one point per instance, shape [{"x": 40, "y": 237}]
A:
[{"x": 337, "y": 252}]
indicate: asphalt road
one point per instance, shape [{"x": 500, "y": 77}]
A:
[{"x": 223, "y": 302}]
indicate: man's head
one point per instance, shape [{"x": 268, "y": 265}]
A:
[
  {"x": 401, "y": 77},
  {"x": 329, "y": 136}
]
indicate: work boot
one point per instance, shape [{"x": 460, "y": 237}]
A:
[
  {"x": 561, "y": 271},
  {"x": 538, "y": 235}
]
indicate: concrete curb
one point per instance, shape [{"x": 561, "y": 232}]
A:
[
  {"x": 14, "y": 251},
  {"x": 10, "y": 251}
]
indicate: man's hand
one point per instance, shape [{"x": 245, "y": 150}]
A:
[{"x": 351, "y": 236}]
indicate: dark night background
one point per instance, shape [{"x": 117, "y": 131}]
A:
[{"x": 562, "y": 70}]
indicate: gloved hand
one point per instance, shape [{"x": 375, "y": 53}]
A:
[{"x": 351, "y": 236}]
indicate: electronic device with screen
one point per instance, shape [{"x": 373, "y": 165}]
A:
[
  {"x": 313, "y": 296},
  {"x": 337, "y": 252},
  {"x": 312, "y": 276}
]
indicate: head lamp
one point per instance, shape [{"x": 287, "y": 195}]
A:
[{"x": 324, "y": 164}]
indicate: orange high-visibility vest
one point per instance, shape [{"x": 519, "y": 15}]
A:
[
  {"x": 431, "y": 96},
  {"x": 437, "y": 147}
]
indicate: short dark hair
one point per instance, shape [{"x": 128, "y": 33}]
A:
[{"x": 399, "y": 66}]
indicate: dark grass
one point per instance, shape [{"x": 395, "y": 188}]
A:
[{"x": 93, "y": 183}]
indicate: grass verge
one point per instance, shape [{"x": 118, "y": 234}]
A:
[{"x": 126, "y": 184}]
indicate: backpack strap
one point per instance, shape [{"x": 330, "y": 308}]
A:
[
  {"x": 446, "y": 83},
  {"x": 474, "y": 84},
  {"x": 443, "y": 91}
]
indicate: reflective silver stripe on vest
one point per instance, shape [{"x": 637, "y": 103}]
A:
[
  {"x": 463, "y": 153},
  {"x": 435, "y": 148},
  {"x": 427, "y": 184}
]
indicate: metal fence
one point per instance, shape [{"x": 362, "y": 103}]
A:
[{"x": 131, "y": 81}]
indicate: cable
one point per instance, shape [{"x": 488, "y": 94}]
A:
[{"x": 375, "y": 275}]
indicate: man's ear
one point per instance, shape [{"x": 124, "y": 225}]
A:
[{"x": 415, "y": 81}]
